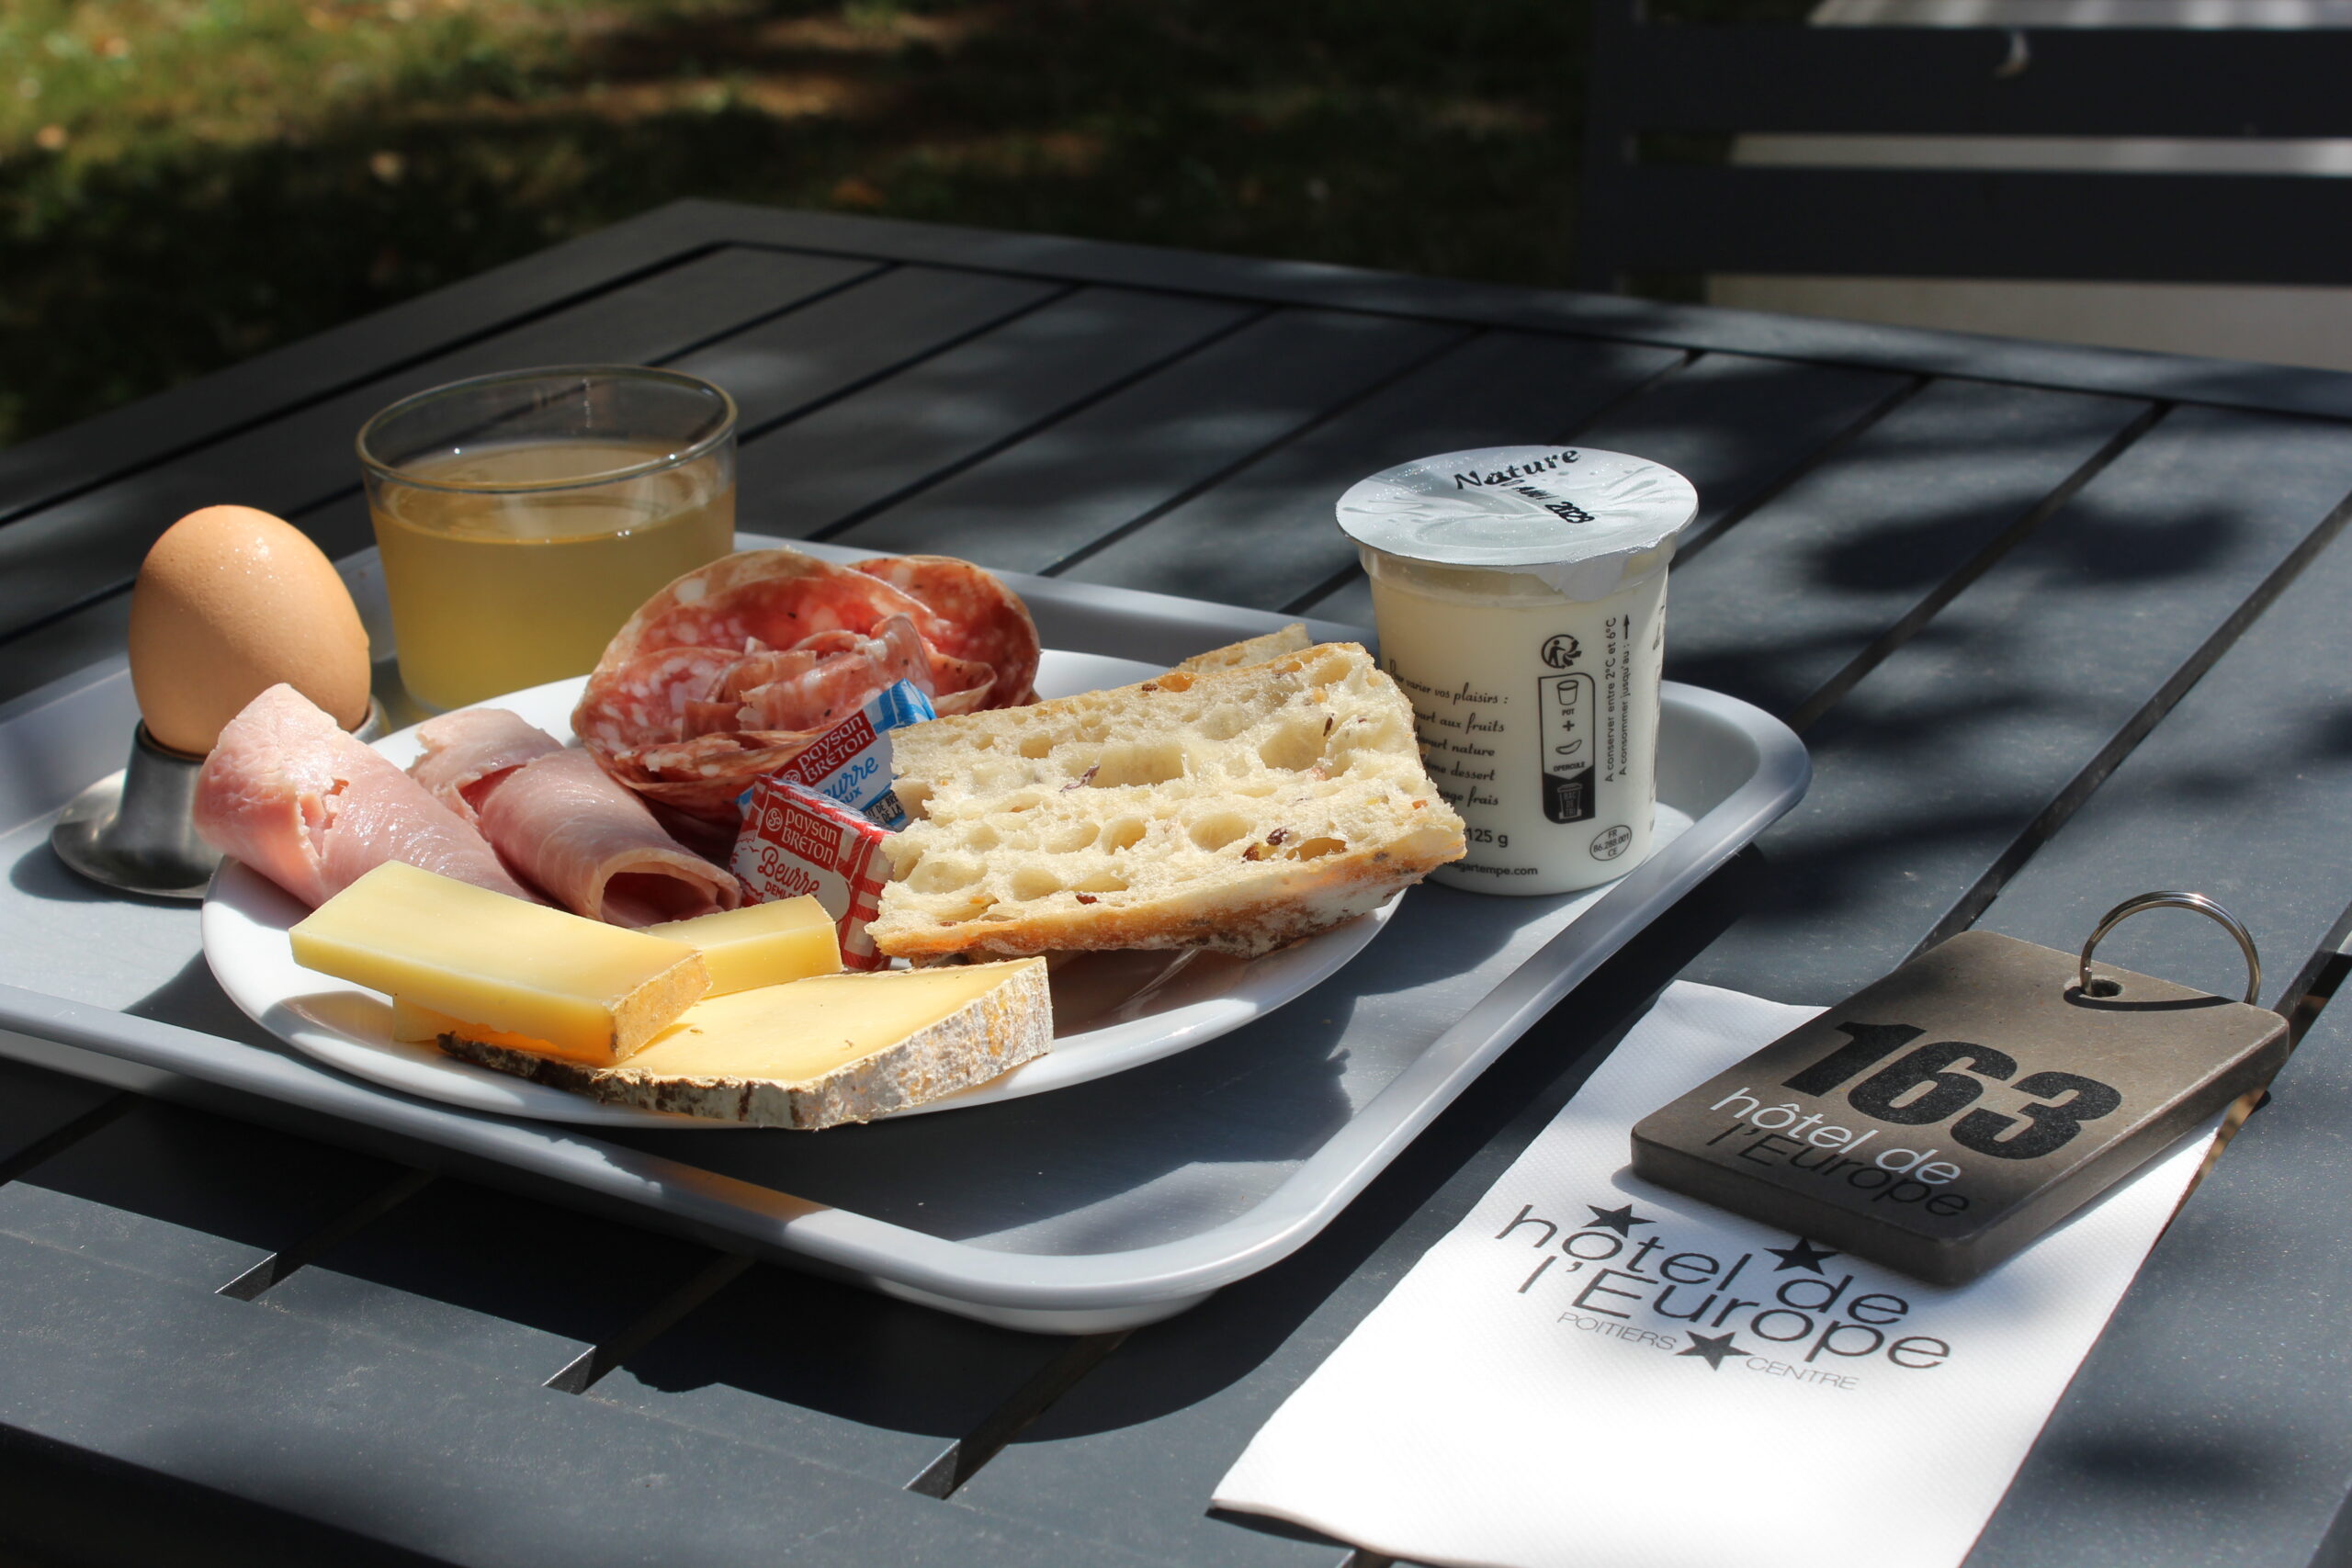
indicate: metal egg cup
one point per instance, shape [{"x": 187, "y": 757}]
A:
[{"x": 134, "y": 831}]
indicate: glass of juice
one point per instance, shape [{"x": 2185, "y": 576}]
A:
[{"x": 523, "y": 516}]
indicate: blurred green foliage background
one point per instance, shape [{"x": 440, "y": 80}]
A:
[{"x": 184, "y": 183}]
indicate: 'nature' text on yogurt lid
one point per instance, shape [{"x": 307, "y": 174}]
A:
[{"x": 1585, "y": 522}]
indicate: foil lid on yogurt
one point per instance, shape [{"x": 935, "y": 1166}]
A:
[{"x": 1584, "y": 522}]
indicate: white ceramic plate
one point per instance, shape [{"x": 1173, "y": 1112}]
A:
[{"x": 1112, "y": 1011}]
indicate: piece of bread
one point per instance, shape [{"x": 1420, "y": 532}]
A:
[
  {"x": 1292, "y": 638},
  {"x": 1237, "y": 810},
  {"x": 813, "y": 1052}
]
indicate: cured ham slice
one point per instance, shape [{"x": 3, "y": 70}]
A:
[
  {"x": 287, "y": 791},
  {"x": 563, "y": 825},
  {"x": 468, "y": 754},
  {"x": 596, "y": 849},
  {"x": 731, "y": 670}
]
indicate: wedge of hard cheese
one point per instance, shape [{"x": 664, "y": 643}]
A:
[
  {"x": 814, "y": 1053},
  {"x": 584, "y": 990},
  {"x": 761, "y": 944},
  {"x": 415, "y": 1025}
]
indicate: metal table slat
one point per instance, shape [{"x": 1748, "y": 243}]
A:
[
  {"x": 186, "y": 1196},
  {"x": 359, "y": 1433},
  {"x": 2235, "y": 1453},
  {"x": 1069, "y": 486},
  {"x": 1873, "y": 536},
  {"x": 1905, "y": 353},
  {"x": 892, "y": 1388},
  {"x": 93, "y": 544},
  {"x": 518, "y": 1288},
  {"x": 1930, "y": 774},
  {"x": 1264, "y": 535},
  {"x": 837, "y": 463},
  {"x": 1737, "y": 426},
  {"x": 2238, "y": 792},
  {"x": 781, "y": 367},
  {"x": 70, "y": 460},
  {"x": 37, "y": 1105},
  {"x": 2246, "y": 1458}
]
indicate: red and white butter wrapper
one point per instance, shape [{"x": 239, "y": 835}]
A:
[
  {"x": 796, "y": 841},
  {"x": 850, "y": 763}
]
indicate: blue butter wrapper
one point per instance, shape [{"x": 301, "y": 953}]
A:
[{"x": 850, "y": 763}]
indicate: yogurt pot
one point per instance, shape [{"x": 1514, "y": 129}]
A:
[{"x": 1520, "y": 596}]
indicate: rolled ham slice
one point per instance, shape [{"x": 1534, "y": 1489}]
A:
[
  {"x": 290, "y": 792},
  {"x": 561, "y": 824},
  {"x": 596, "y": 848},
  {"x": 467, "y": 753}
]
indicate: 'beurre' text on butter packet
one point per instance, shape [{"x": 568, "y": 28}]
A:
[
  {"x": 850, "y": 763},
  {"x": 796, "y": 841}
]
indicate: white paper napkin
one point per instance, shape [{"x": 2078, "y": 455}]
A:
[{"x": 1534, "y": 1395}]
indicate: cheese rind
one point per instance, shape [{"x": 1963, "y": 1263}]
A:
[
  {"x": 761, "y": 944},
  {"x": 590, "y": 991},
  {"x": 817, "y": 1053}
]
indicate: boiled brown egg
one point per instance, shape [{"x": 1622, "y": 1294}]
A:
[{"x": 229, "y": 602}]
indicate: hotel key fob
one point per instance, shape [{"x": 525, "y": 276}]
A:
[{"x": 1941, "y": 1119}]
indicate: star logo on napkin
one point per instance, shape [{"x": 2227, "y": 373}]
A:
[
  {"x": 1804, "y": 1254},
  {"x": 1715, "y": 1348},
  {"x": 1621, "y": 1220}
]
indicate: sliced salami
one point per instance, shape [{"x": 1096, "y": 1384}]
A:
[
  {"x": 729, "y": 671},
  {"x": 779, "y": 597},
  {"x": 980, "y": 620},
  {"x": 642, "y": 700}
]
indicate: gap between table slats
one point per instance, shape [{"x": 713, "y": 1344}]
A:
[
  {"x": 261, "y": 468},
  {"x": 1917, "y": 619},
  {"x": 980, "y": 455},
  {"x": 330, "y": 390},
  {"x": 1978, "y": 898},
  {"x": 1362, "y": 394}
]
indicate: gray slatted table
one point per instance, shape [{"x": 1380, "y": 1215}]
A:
[{"x": 2059, "y": 625}]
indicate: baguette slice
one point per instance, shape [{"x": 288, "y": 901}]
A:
[
  {"x": 1292, "y": 638},
  {"x": 1236, "y": 810},
  {"x": 812, "y": 1053}
]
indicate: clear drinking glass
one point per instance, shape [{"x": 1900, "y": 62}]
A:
[{"x": 523, "y": 516}]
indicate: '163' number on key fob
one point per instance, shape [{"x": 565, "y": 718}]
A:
[{"x": 1940, "y": 1079}]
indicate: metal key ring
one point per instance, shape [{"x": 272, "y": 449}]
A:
[{"x": 2196, "y": 901}]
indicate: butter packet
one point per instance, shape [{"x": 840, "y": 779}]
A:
[
  {"x": 850, "y": 763},
  {"x": 796, "y": 841}
]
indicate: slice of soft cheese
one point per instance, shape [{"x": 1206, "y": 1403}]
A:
[
  {"x": 582, "y": 989},
  {"x": 819, "y": 1052},
  {"x": 761, "y": 944}
]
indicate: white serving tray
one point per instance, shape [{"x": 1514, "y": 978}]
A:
[{"x": 1101, "y": 1206}]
